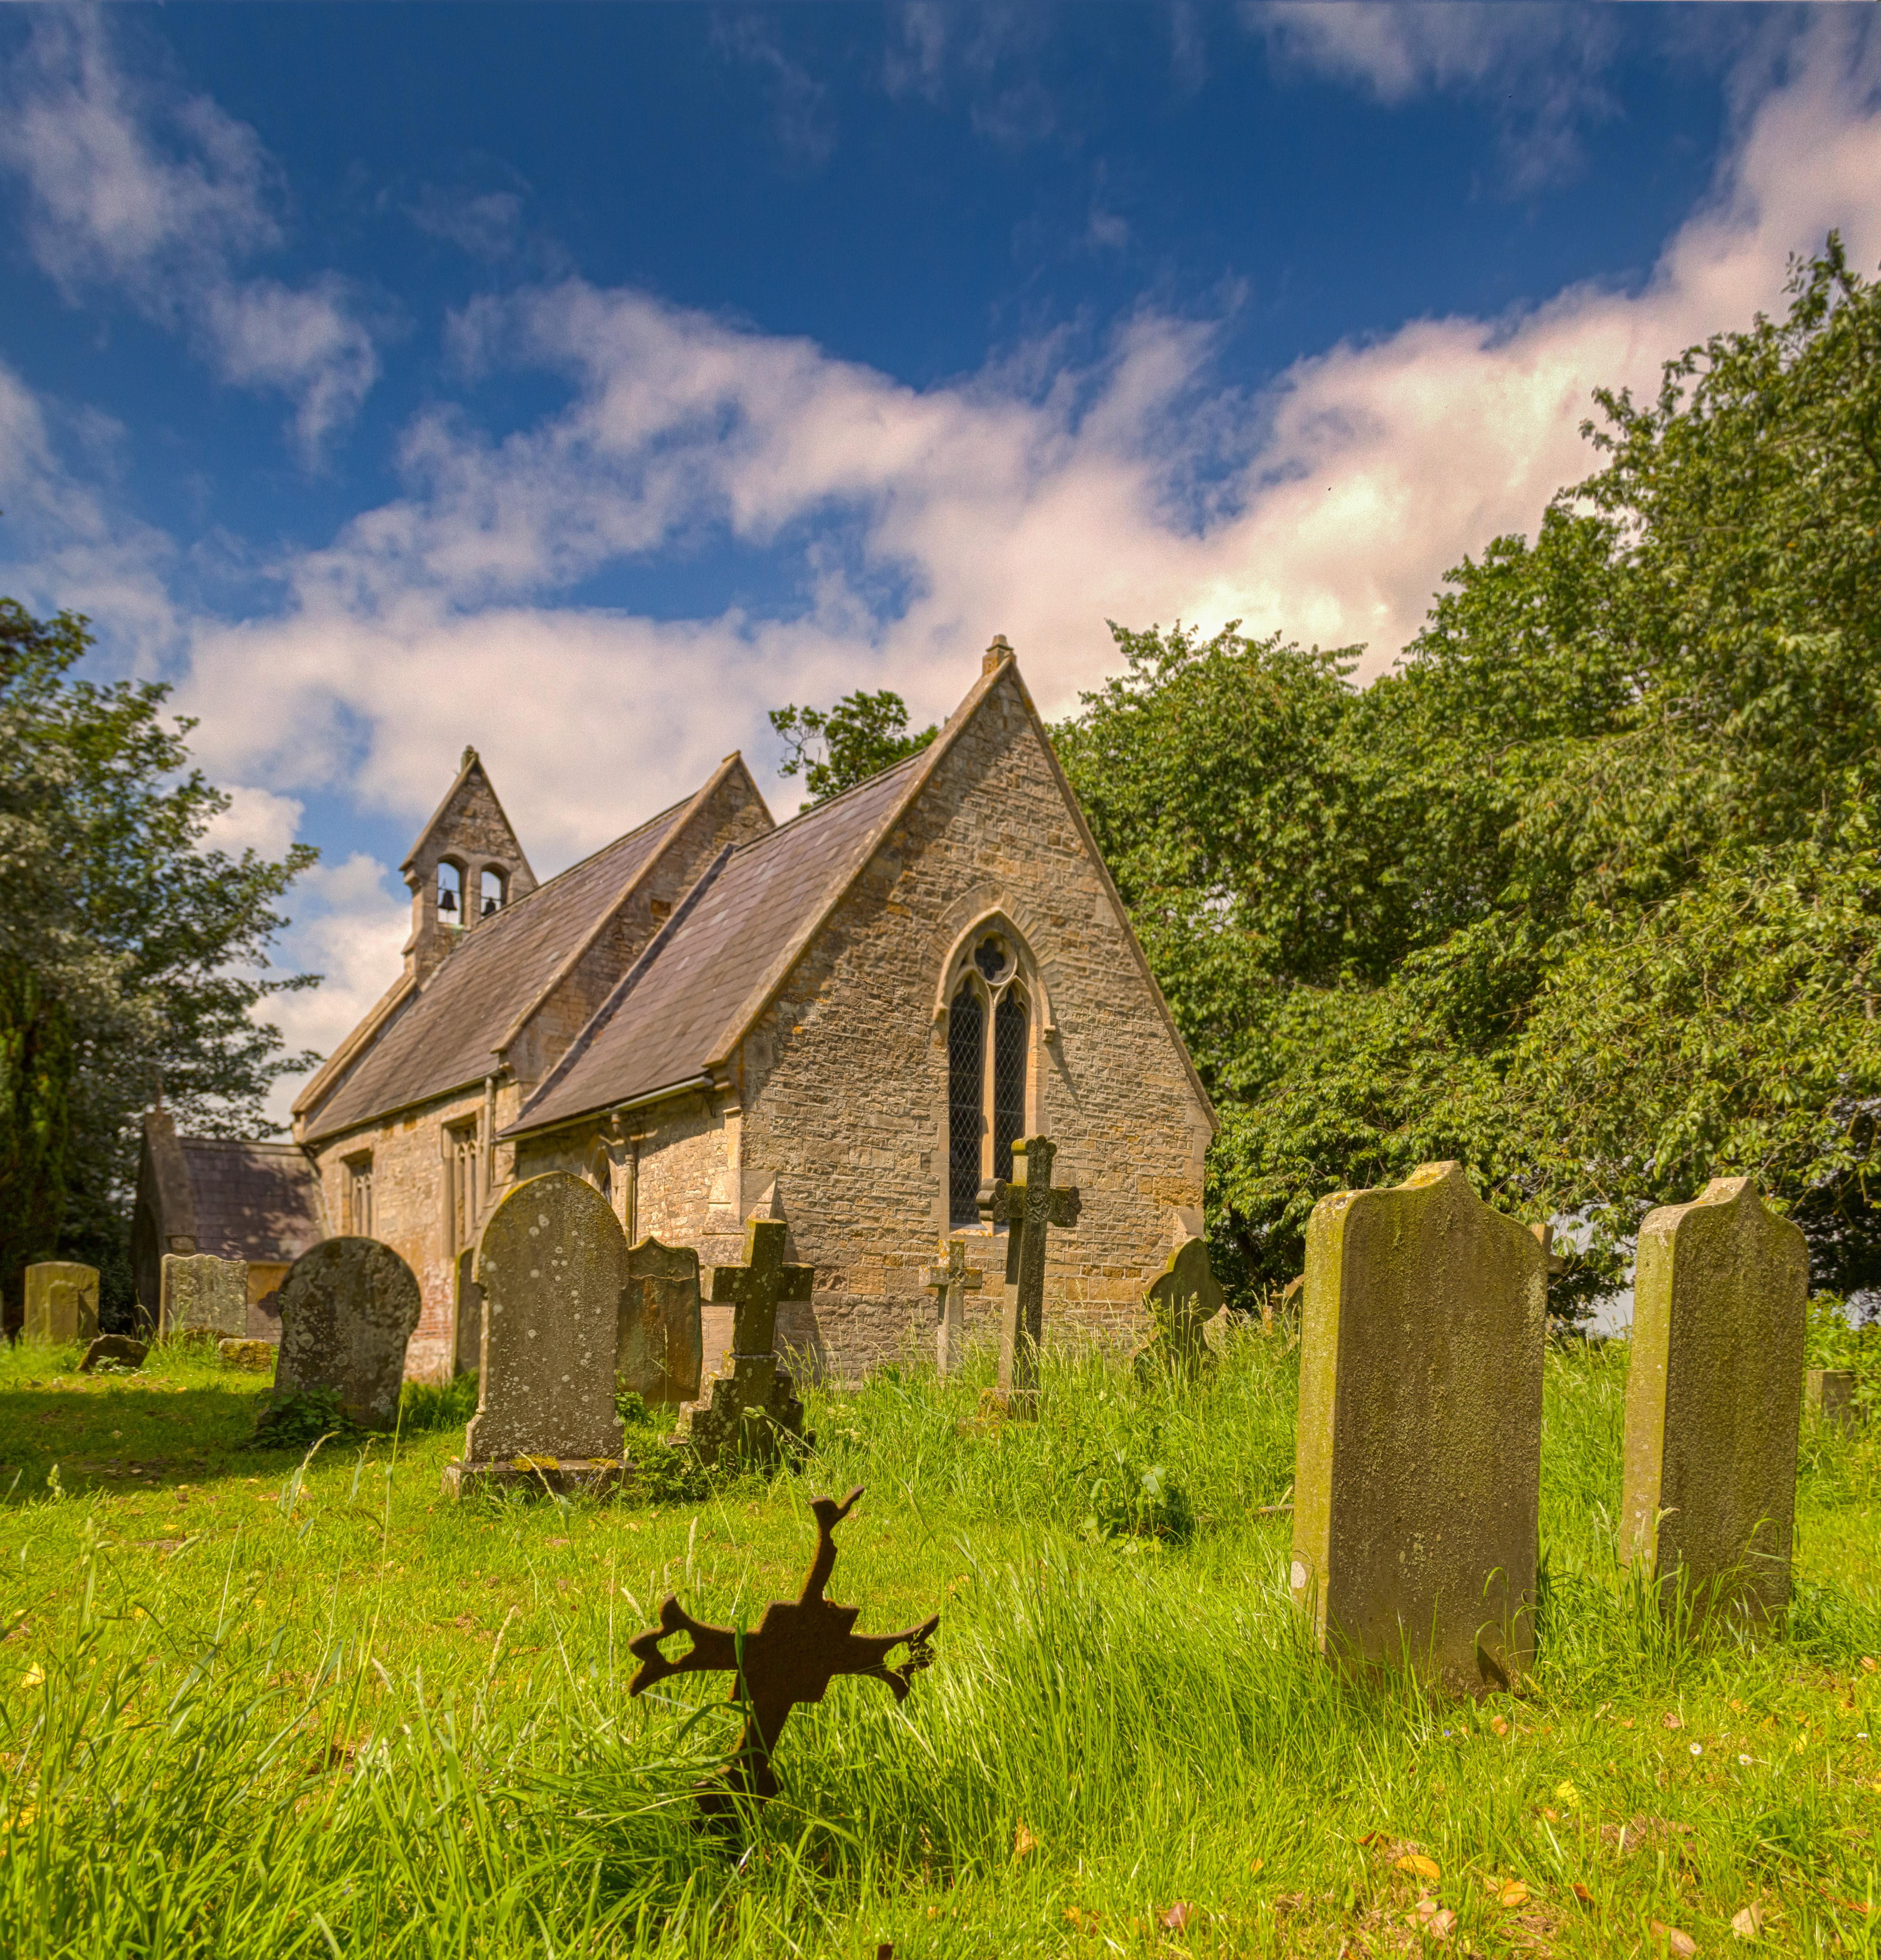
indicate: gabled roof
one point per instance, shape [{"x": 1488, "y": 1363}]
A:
[
  {"x": 446, "y": 1036},
  {"x": 688, "y": 999},
  {"x": 252, "y": 1201},
  {"x": 472, "y": 766},
  {"x": 681, "y": 1010}
]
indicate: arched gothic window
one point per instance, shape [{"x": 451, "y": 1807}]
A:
[{"x": 989, "y": 1043}]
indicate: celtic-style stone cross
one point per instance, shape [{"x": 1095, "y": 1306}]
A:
[
  {"x": 1025, "y": 1207},
  {"x": 799, "y": 1646},
  {"x": 754, "y": 1410},
  {"x": 952, "y": 1279}
]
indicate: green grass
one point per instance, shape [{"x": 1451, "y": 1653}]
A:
[{"x": 248, "y": 1707}]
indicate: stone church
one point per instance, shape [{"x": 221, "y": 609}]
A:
[{"x": 845, "y": 1020}]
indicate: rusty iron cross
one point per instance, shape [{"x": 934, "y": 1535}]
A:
[{"x": 799, "y": 1646}]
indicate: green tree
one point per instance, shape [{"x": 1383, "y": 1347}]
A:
[
  {"x": 861, "y": 736},
  {"x": 1585, "y": 892},
  {"x": 131, "y": 958}
]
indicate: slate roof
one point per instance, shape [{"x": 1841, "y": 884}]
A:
[
  {"x": 446, "y": 1034},
  {"x": 252, "y": 1201},
  {"x": 687, "y": 999}
]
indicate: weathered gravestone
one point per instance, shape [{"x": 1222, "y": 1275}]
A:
[
  {"x": 1419, "y": 1469},
  {"x": 61, "y": 1302},
  {"x": 469, "y": 1317},
  {"x": 753, "y": 1413},
  {"x": 113, "y": 1353},
  {"x": 202, "y": 1298},
  {"x": 248, "y": 1358},
  {"x": 348, "y": 1306},
  {"x": 951, "y": 1279},
  {"x": 1183, "y": 1298},
  {"x": 1714, "y": 1399},
  {"x": 552, "y": 1261},
  {"x": 1027, "y": 1206},
  {"x": 1828, "y": 1393},
  {"x": 661, "y": 1346}
]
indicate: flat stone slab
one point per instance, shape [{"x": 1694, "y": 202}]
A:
[
  {"x": 348, "y": 1307},
  {"x": 1828, "y": 1393},
  {"x": 566, "y": 1476},
  {"x": 114, "y": 1350},
  {"x": 250, "y": 1357},
  {"x": 661, "y": 1345},
  {"x": 1714, "y": 1400},
  {"x": 1417, "y": 1483}
]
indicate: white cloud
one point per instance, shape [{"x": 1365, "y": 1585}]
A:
[
  {"x": 1538, "y": 65},
  {"x": 1038, "y": 500},
  {"x": 255, "y": 820},
  {"x": 348, "y": 925},
  {"x": 135, "y": 184}
]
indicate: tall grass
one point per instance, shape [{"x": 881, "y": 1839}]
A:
[{"x": 273, "y": 1738}]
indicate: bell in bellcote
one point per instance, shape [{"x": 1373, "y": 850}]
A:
[
  {"x": 446, "y": 900},
  {"x": 489, "y": 907}
]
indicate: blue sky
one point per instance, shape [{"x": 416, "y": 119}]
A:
[{"x": 580, "y": 382}]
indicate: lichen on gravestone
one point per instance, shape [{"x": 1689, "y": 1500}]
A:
[
  {"x": 752, "y": 1414},
  {"x": 1713, "y": 1402},
  {"x": 1417, "y": 1483},
  {"x": 348, "y": 1308},
  {"x": 660, "y": 1348},
  {"x": 61, "y": 1302},
  {"x": 201, "y": 1297}
]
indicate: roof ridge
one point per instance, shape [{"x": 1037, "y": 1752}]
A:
[{"x": 829, "y": 803}]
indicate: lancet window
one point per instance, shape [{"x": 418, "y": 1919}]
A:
[
  {"x": 450, "y": 893},
  {"x": 358, "y": 1208},
  {"x": 989, "y": 1048},
  {"x": 466, "y": 1161}
]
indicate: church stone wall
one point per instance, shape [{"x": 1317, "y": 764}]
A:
[{"x": 845, "y": 1077}]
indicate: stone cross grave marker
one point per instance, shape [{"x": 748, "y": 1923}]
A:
[
  {"x": 201, "y": 1296},
  {"x": 61, "y": 1302},
  {"x": 798, "y": 1648},
  {"x": 348, "y": 1306},
  {"x": 1183, "y": 1298},
  {"x": 1715, "y": 1399},
  {"x": 1027, "y": 1206},
  {"x": 753, "y": 1412},
  {"x": 1417, "y": 1477},
  {"x": 662, "y": 1343},
  {"x": 952, "y": 1279},
  {"x": 551, "y": 1263}
]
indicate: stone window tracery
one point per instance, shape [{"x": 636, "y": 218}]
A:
[
  {"x": 359, "y": 1192},
  {"x": 989, "y": 1029},
  {"x": 466, "y": 1161}
]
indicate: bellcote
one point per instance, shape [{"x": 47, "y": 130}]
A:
[{"x": 466, "y": 866}]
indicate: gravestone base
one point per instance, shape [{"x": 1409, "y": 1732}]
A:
[
  {"x": 754, "y": 1416},
  {"x": 563, "y": 1476},
  {"x": 252, "y": 1357}
]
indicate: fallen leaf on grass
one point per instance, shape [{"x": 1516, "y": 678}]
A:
[
  {"x": 1423, "y": 1867},
  {"x": 1023, "y": 1842},
  {"x": 34, "y": 1676},
  {"x": 1080, "y": 1919},
  {"x": 1747, "y": 1924},
  {"x": 1510, "y": 1892},
  {"x": 1582, "y": 1893},
  {"x": 1681, "y": 1943},
  {"x": 1867, "y": 1665},
  {"x": 1499, "y": 1724},
  {"x": 1179, "y": 1918},
  {"x": 1375, "y": 1837},
  {"x": 1254, "y": 1870}
]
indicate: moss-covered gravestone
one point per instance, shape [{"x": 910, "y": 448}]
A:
[
  {"x": 551, "y": 1263},
  {"x": 201, "y": 1297},
  {"x": 1182, "y": 1299},
  {"x": 1419, "y": 1473},
  {"x": 348, "y": 1307},
  {"x": 753, "y": 1414},
  {"x": 1715, "y": 1399},
  {"x": 61, "y": 1302},
  {"x": 661, "y": 1347}
]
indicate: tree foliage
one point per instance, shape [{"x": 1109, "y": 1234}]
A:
[
  {"x": 834, "y": 749},
  {"x": 131, "y": 958},
  {"x": 1585, "y": 892}
]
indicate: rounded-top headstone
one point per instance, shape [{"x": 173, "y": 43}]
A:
[
  {"x": 348, "y": 1307},
  {"x": 552, "y": 1262}
]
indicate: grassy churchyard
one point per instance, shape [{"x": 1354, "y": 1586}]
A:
[{"x": 254, "y": 1705}]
